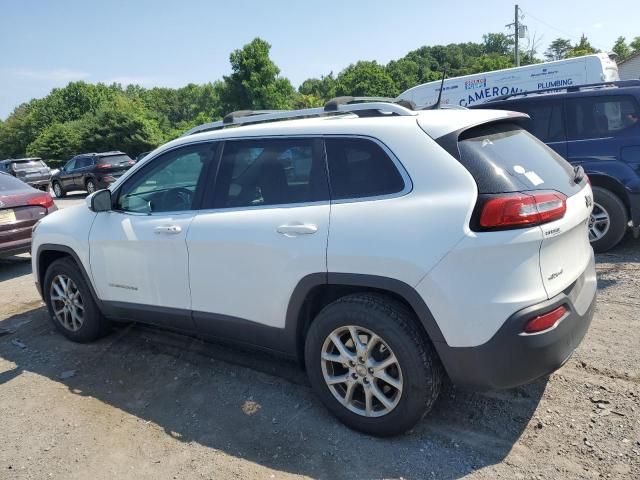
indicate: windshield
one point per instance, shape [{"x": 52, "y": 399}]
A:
[
  {"x": 114, "y": 160},
  {"x": 28, "y": 164},
  {"x": 505, "y": 158}
]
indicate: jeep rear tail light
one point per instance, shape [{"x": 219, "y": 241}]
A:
[
  {"x": 104, "y": 165},
  {"x": 545, "y": 321},
  {"x": 521, "y": 209}
]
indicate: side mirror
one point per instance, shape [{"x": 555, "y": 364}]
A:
[{"x": 100, "y": 201}]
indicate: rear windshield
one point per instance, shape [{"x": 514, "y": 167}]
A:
[
  {"x": 26, "y": 165},
  {"x": 114, "y": 160},
  {"x": 504, "y": 157}
]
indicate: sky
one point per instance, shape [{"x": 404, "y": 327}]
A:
[{"x": 46, "y": 44}]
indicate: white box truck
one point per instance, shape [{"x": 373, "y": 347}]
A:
[{"x": 480, "y": 87}]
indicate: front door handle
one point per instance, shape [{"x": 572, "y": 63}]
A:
[
  {"x": 168, "y": 229},
  {"x": 293, "y": 229}
]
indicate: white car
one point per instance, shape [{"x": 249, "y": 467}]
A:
[{"x": 381, "y": 246}]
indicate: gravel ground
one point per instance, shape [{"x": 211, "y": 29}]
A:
[{"x": 145, "y": 403}]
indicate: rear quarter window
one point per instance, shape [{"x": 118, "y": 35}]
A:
[
  {"x": 360, "y": 168},
  {"x": 504, "y": 157}
]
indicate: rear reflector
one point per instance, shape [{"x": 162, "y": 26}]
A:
[
  {"x": 521, "y": 209},
  {"x": 43, "y": 200},
  {"x": 546, "y": 321}
]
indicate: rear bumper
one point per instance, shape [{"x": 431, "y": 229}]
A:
[
  {"x": 511, "y": 358},
  {"x": 15, "y": 247},
  {"x": 40, "y": 184}
]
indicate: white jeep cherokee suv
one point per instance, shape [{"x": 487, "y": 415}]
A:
[{"x": 382, "y": 246}]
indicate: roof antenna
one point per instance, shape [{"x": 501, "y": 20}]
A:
[{"x": 436, "y": 105}]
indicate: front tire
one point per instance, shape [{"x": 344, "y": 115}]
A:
[
  {"x": 370, "y": 364},
  {"x": 71, "y": 306},
  {"x": 58, "y": 190},
  {"x": 608, "y": 221}
]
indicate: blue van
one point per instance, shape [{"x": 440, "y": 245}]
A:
[{"x": 598, "y": 127}]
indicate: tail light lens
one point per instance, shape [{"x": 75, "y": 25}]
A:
[
  {"x": 104, "y": 165},
  {"x": 43, "y": 200},
  {"x": 517, "y": 210},
  {"x": 545, "y": 321}
]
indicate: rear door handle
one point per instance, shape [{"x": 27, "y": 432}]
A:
[
  {"x": 168, "y": 229},
  {"x": 294, "y": 229}
]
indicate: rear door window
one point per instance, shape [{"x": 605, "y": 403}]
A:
[
  {"x": 600, "y": 117},
  {"x": 360, "y": 168},
  {"x": 504, "y": 157},
  {"x": 270, "y": 172},
  {"x": 547, "y": 119}
]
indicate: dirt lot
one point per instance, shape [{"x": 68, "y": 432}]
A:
[{"x": 149, "y": 404}]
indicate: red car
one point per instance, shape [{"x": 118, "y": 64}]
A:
[{"x": 21, "y": 206}]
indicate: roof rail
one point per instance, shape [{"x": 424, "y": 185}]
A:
[
  {"x": 572, "y": 88},
  {"x": 366, "y": 108}
]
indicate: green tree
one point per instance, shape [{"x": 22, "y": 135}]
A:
[
  {"x": 583, "y": 47},
  {"x": 366, "y": 79},
  {"x": 497, "y": 43},
  {"x": 122, "y": 125},
  {"x": 621, "y": 49},
  {"x": 16, "y": 132},
  {"x": 254, "y": 83},
  {"x": 635, "y": 45},
  {"x": 488, "y": 63},
  {"x": 59, "y": 141},
  {"x": 323, "y": 88},
  {"x": 558, "y": 49},
  {"x": 404, "y": 73}
]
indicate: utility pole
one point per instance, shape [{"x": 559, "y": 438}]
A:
[{"x": 518, "y": 32}]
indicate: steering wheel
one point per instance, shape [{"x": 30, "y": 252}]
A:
[{"x": 176, "y": 199}]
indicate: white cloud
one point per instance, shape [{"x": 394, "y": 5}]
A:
[{"x": 53, "y": 75}]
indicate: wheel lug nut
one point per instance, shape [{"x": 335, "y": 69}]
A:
[
  {"x": 371, "y": 371},
  {"x": 361, "y": 360},
  {"x": 355, "y": 376}
]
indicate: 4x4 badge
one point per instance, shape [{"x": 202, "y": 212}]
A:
[{"x": 588, "y": 201}]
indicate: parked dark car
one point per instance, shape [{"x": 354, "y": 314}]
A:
[
  {"x": 142, "y": 155},
  {"x": 30, "y": 170},
  {"x": 595, "y": 126},
  {"x": 21, "y": 206},
  {"x": 90, "y": 172}
]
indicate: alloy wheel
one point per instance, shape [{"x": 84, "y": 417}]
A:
[
  {"x": 57, "y": 190},
  {"x": 66, "y": 302},
  {"x": 361, "y": 371},
  {"x": 91, "y": 187},
  {"x": 599, "y": 222}
]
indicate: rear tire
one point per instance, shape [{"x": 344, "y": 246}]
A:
[
  {"x": 415, "y": 374},
  {"x": 606, "y": 205},
  {"x": 58, "y": 190},
  {"x": 70, "y": 303},
  {"x": 91, "y": 186}
]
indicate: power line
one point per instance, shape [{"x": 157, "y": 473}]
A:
[{"x": 567, "y": 34}]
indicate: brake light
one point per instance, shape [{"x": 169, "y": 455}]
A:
[
  {"x": 545, "y": 321},
  {"x": 104, "y": 165},
  {"x": 43, "y": 200},
  {"x": 522, "y": 209}
]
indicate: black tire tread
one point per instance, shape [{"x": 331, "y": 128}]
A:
[
  {"x": 405, "y": 320},
  {"x": 96, "y": 324},
  {"x": 618, "y": 218}
]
